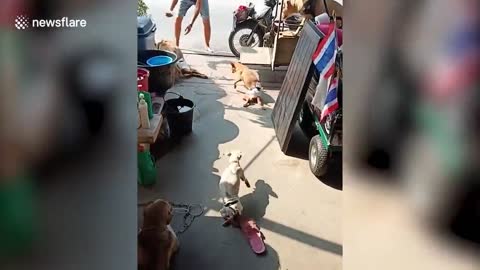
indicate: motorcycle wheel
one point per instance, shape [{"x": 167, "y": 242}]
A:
[{"x": 239, "y": 38}]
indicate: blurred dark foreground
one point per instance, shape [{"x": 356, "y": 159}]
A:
[
  {"x": 67, "y": 136},
  {"x": 412, "y": 180}
]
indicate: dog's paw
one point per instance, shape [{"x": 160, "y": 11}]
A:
[
  {"x": 226, "y": 223},
  {"x": 176, "y": 247}
]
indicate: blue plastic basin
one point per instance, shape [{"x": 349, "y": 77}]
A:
[{"x": 158, "y": 61}]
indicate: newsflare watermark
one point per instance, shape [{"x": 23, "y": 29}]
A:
[{"x": 22, "y": 22}]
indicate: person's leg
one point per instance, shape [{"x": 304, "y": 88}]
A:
[
  {"x": 178, "y": 29},
  {"x": 182, "y": 11},
  {"x": 207, "y": 30}
]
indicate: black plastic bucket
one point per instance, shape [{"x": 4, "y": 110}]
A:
[
  {"x": 180, "y": 122},
  {"x": 161, "y": 78}
]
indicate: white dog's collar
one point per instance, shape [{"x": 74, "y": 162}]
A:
[
  {"x": 255, "y": 91},
  {"x": 230, "y": 203}
]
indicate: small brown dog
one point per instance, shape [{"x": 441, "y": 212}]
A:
[
  {"x": 157, "y": 241},
  {"x": 251, "y": 81}
]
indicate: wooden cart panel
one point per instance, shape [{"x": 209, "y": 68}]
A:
[{"x": 294, "y": 87}]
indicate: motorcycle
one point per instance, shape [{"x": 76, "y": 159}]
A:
[{"x": 251, "y": 24}]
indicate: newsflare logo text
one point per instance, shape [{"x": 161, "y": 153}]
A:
[{"x": 22, "y": 22}]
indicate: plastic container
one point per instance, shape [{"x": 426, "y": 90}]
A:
[
  {"x": 143, "y": 110},
  {"x": 147, "y": 173},
  {"x": 142, "y": 79},
  {"x": 158, "y": 61},
  {"x": 161, "y": 78},
  {"x": 145, "y": 33},
  {"x": 148, "y": 99},
  {"x": 179, "y": 112}
]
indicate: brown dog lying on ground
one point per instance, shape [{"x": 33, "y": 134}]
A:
[
  {"x": 157, "y": 241},
  {"x": 183, "y": 69},
  {"x": 251, "y": 81}
]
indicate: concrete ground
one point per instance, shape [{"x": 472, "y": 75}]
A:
[{"x": 300, "y": 216}]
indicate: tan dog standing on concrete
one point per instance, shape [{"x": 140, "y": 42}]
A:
[
  {"x": 251, "y": 81},
  {"x": 157, "y": 241}
]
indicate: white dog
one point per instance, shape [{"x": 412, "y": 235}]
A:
[{"x": 230, "y": 185}]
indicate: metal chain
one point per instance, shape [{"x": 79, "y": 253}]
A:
[{"x": 189, "y": 215}]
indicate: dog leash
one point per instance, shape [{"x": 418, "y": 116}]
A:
[
  {"x": 189, "y": 214},
  {"x": 190, "y": 211}
]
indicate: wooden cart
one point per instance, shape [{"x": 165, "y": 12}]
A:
[
  {"x": 295, "y": 86},
  {"x": 284, "y": 45},
  {"x": 285, "y": 40}
]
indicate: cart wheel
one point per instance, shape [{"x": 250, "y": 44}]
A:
[{"x": 317, "y": 156}]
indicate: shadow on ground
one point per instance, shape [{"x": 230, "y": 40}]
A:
[
  {"x": 299, "y": 144},
  {"x": 185, "y": 175},
  {"x": 255, "y": 203},
  {"x": 262, "y": 117},
  {"x": 255, "y": 206},
  {"x": 213, "y": 64},
  {"x": 299, "y": 147},
  {"x": 334, "y": 176},
  {"x": 216, "y": 247}
]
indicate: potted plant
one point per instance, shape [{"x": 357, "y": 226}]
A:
[{"x": 141, "y": 8}]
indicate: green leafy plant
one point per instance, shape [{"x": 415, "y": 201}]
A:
[{"x": 141, "y": 8}]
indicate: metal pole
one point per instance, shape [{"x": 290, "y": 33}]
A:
[
  {"x": 326, "y": 7},
  {"x": 280, "y": 25}
]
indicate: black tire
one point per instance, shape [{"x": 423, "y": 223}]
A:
[
  {"x": 251, "y": 26},
  {"x": 318, "y": 157}
]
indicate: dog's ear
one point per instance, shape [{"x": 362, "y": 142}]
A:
[
  {"x": 234, "y": 66},
  {"x": 289, "y": 4},
  {"x": 146, "y": 206},
  {"x": 273, "y": 194}
]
